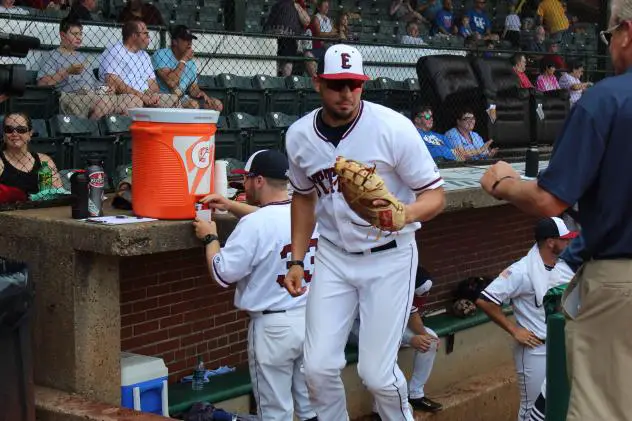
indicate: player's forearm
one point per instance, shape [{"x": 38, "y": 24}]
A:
[
  {"x": 529, "y": 197},
  {"x": 416, "y": 324},
  {"x": 495, "y": 313},
  {"x": 303, "y": 223},
  {"x": 241, "y": 209},
  {"x": 428, "y": 205},
  {"x": 211, "y": 250}
]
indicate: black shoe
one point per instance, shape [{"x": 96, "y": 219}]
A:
[
  {"x": 425, "y": 404},
  {"x": 375, "y": 416}
]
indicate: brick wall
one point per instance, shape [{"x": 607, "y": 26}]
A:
[{"x": 170, "y": 307}]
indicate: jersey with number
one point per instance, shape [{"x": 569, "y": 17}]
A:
[
  {"x": 255, "y": 258},
  {"x": 513, "y": 286},
  {"x": 378, "y": 136}
]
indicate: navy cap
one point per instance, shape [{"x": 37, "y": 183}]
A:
[
  {"x": 266, "y": 163},
  {"x": 182, "y": 32}
]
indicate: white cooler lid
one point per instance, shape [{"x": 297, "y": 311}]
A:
[
  {"x": 140, "y": 368},
  {"x": 174, "y": 115}
]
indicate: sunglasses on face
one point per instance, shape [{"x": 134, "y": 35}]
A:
[
  {"x": 18, "y": 129},
  {"x": 425, "y": 116},
  {"x": 339, "y": 85},
  {"x": 468, "y": 118}
]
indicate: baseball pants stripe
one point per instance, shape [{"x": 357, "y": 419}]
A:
[
  {"x": 380, "y": 287},
  {"x": 275, "y": 359},
  {"x": 531, "y": 370}
]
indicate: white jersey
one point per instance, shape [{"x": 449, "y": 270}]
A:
[
  {"x": 513, "y": 285},
  {"x": 378, "y": 136},
  {"x": 255, "y": 257}
]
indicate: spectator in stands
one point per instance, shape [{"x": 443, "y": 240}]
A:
[
  {"x": 553, "y": 16},
  {"x": 465, "y": 30},
  {"x": 126, "y": 68},
  {"x": 403, "y": 11},
  {"x": 537, "y": 44},
  {"x": 67, "y": 70},
  {"x": 81, "y": 10},
  {"x": 341, "y": 27},
  {"x": 144, "y": 12},
  {"x": 321, "y": 26},
  {"x": 412, "y": 35},
  {"x": 555, "y": 58},
  {"x": 9, "y": 7},
  {"x": 287, "y": 17},
  {"x": 481, "y": 24},
  {"x": 519, "y": 62},
  {"x": 464, "y": 138},
  {"x": 511, "y": 32},
  {"x": 177, "y": 72},
  {"x": 444, "y": 21},
  {"x": 572, "y": 81},
  {"x": 547, "y": 80},
  {"x": 435, "y": 142},
  {"x": 19, "y": 166},
  {"x": 429, "y": 9}
]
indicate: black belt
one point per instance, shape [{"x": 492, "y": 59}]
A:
[
  {"x": 272, "y": 311},
  {"x": 390, "y": 245}
]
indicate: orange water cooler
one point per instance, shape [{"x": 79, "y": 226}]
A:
[{"x": 173, "y": 155}]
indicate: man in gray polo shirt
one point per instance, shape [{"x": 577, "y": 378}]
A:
[
  {"x": 81, "y": 93},
  {"x": 589, "y": 166}
]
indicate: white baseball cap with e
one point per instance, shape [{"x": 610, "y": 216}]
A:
[{"x": 342, "y": 61}]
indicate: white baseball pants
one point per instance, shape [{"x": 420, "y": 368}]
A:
[
  {"x": 379, "y": 287},
  {"x": 531, "y": 369},
  {"x": 538, "y": 410},
  {"x": 275, "y": 359},
  {"x": 422, "y": 367}
]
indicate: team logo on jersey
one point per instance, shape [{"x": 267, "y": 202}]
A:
[
  {"x": 506, "y": 273},
  {"x": 325, "y": 181}
]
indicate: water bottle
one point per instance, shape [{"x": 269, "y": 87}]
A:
[
  {"x": 45, "y": 177},
  {"x": 532, "y": 162},
  {"x": 79, "y": 188},
  {"x": 198, "y": 376},
  {"x": 96, "y": 183}
]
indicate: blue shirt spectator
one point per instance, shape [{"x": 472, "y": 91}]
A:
[
  {"x": 164, "y": 58},
  {"x": 596, "y": 139},
  {"x": 464, "y": 138},
  {"x": 424, "y": 120},
  {"x": 444, "y": 22},
  {"x": 479, "y": 21}
]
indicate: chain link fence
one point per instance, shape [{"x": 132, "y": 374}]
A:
[{"x": 254, "y": 63}]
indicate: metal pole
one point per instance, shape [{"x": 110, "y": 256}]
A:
[{"x": 602, "y": 49}]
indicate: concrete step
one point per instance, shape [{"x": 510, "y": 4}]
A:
[{"x": 489, "y": 397}]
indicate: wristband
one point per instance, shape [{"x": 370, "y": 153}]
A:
[
  {"x": 295, "y": 263},
  {"x": 209, "y": 238},
  {"x": 499, "y": 180},
  {"x": 183, "y": 62}
]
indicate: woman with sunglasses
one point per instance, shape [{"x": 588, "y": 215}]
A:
[
  {"x": 466, "y": 140},
  {"x": 19, "y": 166}
]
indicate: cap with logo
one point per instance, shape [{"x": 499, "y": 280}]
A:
[
  {"x": 266, "y": 163},
  {"x": 553, "y": 228},
  {"x": 341, "y": 61},
  {"x": 182, "y": 32}
]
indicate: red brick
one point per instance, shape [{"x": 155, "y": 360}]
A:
[
  {"x": 145, "y": 305},
  {"x": 158, "y": 290},
  {"x": 170, "y": 345},
  {"x": 180, "y": 330},
  {"x": 126, "y": 332},
  {"x": 225, "y": 318},
  {"x": 132, "y": 296},
  {"x": 133, "y": 319},
  {"x": 170, "y": 276},
  {"x": 159, "y": 312},
  {"x": 143, "y": 328},
  {"x": 176, "y": 319}
]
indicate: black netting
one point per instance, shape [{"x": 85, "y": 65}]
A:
[{"x": 254, "y": 61}]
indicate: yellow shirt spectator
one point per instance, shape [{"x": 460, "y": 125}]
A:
[{"x": 552, "y": 12}]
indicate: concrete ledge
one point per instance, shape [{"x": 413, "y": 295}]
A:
[{"x": 54, "y": 405}]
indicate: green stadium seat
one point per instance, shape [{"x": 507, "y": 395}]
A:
[
  {"x": 229, "y": 142},
  {"x": 243, "y": 97},
  {"x": 209, "y": 85},
  {"x": 254, "y": 133},
  {"x": 309, "y": 98},
  {"x": 374, "y": 92},
  {"x": 118, "y": 126},
  {"x": 277, "y": 96},
  {"x": 37, "y": 101}
]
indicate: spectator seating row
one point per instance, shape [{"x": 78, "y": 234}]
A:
[
  {"x": 71, "y": 141},
  {"x": 450, "y": 82}
]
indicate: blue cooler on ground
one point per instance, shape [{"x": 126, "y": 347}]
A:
[{"x": 144, "y": 384}]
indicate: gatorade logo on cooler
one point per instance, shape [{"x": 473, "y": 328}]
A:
[
  {"x": 197, "y": 156},
  {"x": 97, "y": 180}
]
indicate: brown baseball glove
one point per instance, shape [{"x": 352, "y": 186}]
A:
[{"x": 361, "y": 187}]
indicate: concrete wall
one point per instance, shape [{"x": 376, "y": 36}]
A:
[{"x": 170, "y": 308}]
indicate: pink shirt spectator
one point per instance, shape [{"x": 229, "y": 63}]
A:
[{"x": 547, "y": 83}]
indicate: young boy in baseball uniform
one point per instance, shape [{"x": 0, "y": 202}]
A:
[
  {"x": 358, "y": 270},
  {"x": 254, "y": 258},
  {"x": 425, "y": 343},
  {"x": 525, "y": 284}
]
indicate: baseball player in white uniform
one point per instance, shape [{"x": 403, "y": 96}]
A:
[
  {"x": 425, "y": 342},
  {"x": 358, "y": 269},
  {"x": 254, "y": 258},
  {"x": 525, "y": 284}
]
